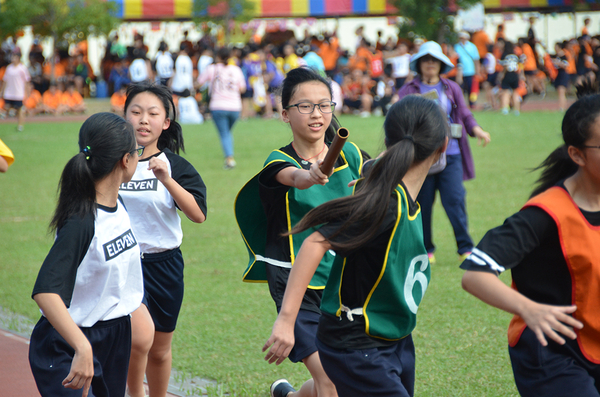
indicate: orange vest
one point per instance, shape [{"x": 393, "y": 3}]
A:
[
  {"x": 529, "y": 63},
  {"x": 580, "y": 244}
]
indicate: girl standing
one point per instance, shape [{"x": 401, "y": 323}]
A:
[
  {"x": 381, "y": 269},
  {"x": 288, "y": 186},
  {"x": 552, "y": 247},
  {"x": 163, "y": 182},
  {"x": 91, "y": 279}
]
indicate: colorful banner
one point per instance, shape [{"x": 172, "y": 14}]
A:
[
  {"x": 528, "y": 4},
  {"x": 183, "y": 9}
]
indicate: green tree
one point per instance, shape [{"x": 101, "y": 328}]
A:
[
  {"x": 431, "y": 19},
  {"x": 62, "y": 20},
  {"x": 226, "y": 11}
]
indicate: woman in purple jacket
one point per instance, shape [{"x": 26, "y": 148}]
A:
[{"x": 429, "y": 63}]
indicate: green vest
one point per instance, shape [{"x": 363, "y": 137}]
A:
[
  {"x": 390, "y": 310},
  {"x": 252, "y": 221}
]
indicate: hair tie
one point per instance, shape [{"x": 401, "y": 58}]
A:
[
  {"x": 87, "y": 151},
  {"x": 408, "y": 137}
]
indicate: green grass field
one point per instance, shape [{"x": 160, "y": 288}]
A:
[{"x": 460, "y": 342}]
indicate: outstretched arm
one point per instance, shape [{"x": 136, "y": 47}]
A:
[
  {"x": 308, "y": 259},
  {"x": 302, "y": 179},
  {"x": 543, "y": 320},
  {"x": 82, "y": 367}
]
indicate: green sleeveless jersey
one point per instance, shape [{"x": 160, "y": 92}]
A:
[
  {"x": 390, "y": 310},
  {"x": 252, "y": 221}
]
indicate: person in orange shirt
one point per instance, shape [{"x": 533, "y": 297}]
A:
[
  {"x": 33, "y": 103},
  {"x": 71, "y": 101},
  {"x": 329, "y": 53},
  {"x": 117, "y": 100},
  {"x": 481, "y": 41},
  {"x": 361, "y": 59},
  {"x": 59, "y": 70},
  {"x": 585, "y": 30},
  {"x": 530, "y": 67},
  {"x": 2, "y": 111},
  {"x": 51, "y": 99}
]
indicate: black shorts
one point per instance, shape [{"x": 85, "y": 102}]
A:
[
  {"x": 400, "y": 82},
  {"x": 555, "y": 370},
  {"x": 249, "y": 93},
  {"x": 562, "y": 79},
  {"x": 13, "y": 104},
  {"x": 380, "y": 371},
  {"x": 163, "y": 287},
  {"x": 352, "y": 104},
  {"x": 531, "y": 72},
  {"x": 491, "y": 78},
  {"x": 510, "y": 81},
  {"x": 50, "y": 358}
]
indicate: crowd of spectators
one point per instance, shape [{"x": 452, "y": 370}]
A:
[{"x": 365, "y": 79}]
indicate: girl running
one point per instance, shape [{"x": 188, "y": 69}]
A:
[
  {"x": 288, "y": 186},
  {"x": 552, "y": 247},
  {"x": 163, "y": 182},
  {"x": 91, "y": 280},
  {"x": 381, "y": 269}
]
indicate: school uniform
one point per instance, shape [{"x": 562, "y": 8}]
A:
[
  {"x": 551, "y": 247},
  {"x": 94, "y": 266},
  {"x": 157, "y": 225},
  {"x": 265, "y": 209},
  {"x": 138, "y": 70},
  {"x": 370, "y": 305}
]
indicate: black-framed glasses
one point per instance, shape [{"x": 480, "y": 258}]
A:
[
  {"x": 308, "y": 108},
  {"x": 139, "y": 150}
]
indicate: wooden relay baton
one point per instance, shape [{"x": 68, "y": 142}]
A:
[{"x": 334, "y": 150}]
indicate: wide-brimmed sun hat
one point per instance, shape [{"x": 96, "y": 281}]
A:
[{"x": 435, "y": 50}]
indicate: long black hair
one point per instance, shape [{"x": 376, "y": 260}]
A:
[
  {"x": 172, "y": 137},
  {"x": 301, "y": 75},
  {"x": 575, "y": 132},
  {"x": 415, "y": 128},
  {"x": 104, "y": 138}
]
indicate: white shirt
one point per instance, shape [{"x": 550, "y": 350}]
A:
[
  {"x": 164, "y": 65},
  {"x": 183, "y": 77},
  {"x": 400, "y": 65},
  {"x": 188, "y": 111},
  {"x": 138, "y": 70}
]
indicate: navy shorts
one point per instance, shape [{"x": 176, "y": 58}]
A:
[
  {"x": 562, "y": 79},
  {"x": 305, "y": 335},
  {"x": 554, "y": 370},
  {"x": 13, "y": 104},
  {"x": 163, "y": 287},
  {"x": 376, "y": 372},
  {"x": 50, "y": 358},
  {"x": 491, "y": 78}
]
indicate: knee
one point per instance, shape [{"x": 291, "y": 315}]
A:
[
  {"x": 142, "y": 340},
  {"x": 160, "y": 353}
]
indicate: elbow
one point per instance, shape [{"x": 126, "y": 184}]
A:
[{"x": 197, "y": 218}]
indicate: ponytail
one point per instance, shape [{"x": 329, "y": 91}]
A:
[
  {"x": 415, "y": 128},
  {"x": 576, "y": 130},
  {"x": 104, "y": 138}
]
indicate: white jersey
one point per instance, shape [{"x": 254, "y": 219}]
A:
[
  {"x": 153, "y": 210},
  {"x": 95, "y": 267},
  {"x": 188, "y": 111},
  {"x": 400, "y": 66},
  {"x": 138, "y": 70},
  {"x": 490, "y": 63},
  {"x": 184, "y": 74},
  {"x": 164, "y": 65}
]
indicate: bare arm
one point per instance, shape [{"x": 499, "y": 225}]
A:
[
  {"x": 543, "y": 320},
  {"x": 82, "y": 367},
  {"x": 3, "y": 164},
  {"x": 302, "y": 179},
  {"x": 482, "y": 136},
  {"x": 184, "y": 199},
  {"x": 281, "y": 340}
]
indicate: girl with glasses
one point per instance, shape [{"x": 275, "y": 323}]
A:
[
  {"x": 272, "y": 202},
  {"x": 380, "y": 272},
  {"x": 552, "y": 247},
  {"x": 91, "y": 280},
  {"x": 163, "y": 183}
]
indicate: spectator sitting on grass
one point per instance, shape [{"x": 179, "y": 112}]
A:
[
  {"x": 71, "y": 101},
  {"x": 117, "y": 100},
  {"x": 33, "y": 103},
  {"x": 51, "y": 99}
]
